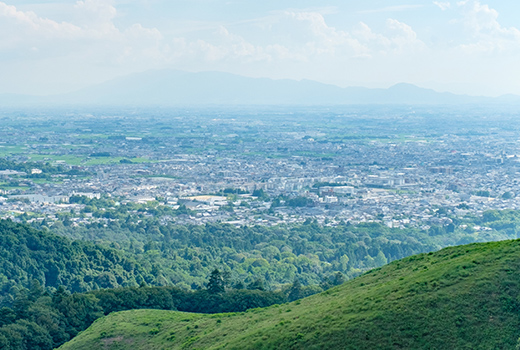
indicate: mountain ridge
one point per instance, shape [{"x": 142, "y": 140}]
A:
[{"x": 174, "y": 88}]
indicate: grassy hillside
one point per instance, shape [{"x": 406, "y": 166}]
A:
[{"x": 464, "y": 297}]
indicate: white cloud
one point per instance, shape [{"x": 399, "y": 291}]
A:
[
  {"x": 221, "y": 45},
  {"x": 399, "y": 38},
  {"x": 297, "y": 44},
  {"x": 443, "y": 5},
  {"x": 489, "y": 35},
  {"x": 320, "y": 38},
  {"x": 43, "y": 55},
  {"x": 294, "y": 38},
  {"x": 20, "y": 22},
  {"x": 405, "y": 38},
  {"x": 96, "y": 17},
  {"x": 92, "y": 34},
  {"x": 316, "y": 37},
  {"x": 397, "y": 8}
]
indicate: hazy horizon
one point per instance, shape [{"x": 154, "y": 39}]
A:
[{"x": 464, "y": 47}]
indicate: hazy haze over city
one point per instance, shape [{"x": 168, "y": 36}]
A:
[{"x": 469, "y": 47}]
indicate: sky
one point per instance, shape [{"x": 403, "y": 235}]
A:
[{"x": 467, "y": 46}]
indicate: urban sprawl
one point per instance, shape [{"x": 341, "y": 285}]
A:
[{"x": 400, "y": 166}]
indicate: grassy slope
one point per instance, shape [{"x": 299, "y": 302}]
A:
[{"x": 458, "y": 298}]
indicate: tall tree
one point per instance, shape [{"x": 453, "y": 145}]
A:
[{"x": 216, "y": 282}]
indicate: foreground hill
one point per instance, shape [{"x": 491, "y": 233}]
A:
[{"x": 463, "y": 297}]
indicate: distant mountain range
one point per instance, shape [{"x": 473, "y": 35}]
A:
[{"x": 171, "y": 87}]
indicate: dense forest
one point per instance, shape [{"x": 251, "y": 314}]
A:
[
  {"x": 143, "y": 249},
  {"x": 27, "y": 254},
  {"x": 42, "y": 320},
  {"x": 53, "y": 286},
  {"x": 184, "y": 255}
]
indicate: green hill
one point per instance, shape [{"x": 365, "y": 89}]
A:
[{"x": 464, "y": 297}]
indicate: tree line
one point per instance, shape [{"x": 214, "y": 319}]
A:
[{"x": 41, "y": 320}]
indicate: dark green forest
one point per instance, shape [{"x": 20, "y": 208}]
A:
[
  {"x": 53, "y": 286},
  {"x": 184, "y": 255},
  {"x": 137, "y": 249},
  {"x": 28, "y": 254},
  {"x": 42, "y": 320}
]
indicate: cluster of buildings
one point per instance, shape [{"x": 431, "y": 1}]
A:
[{"x": 252, "y": 170}]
